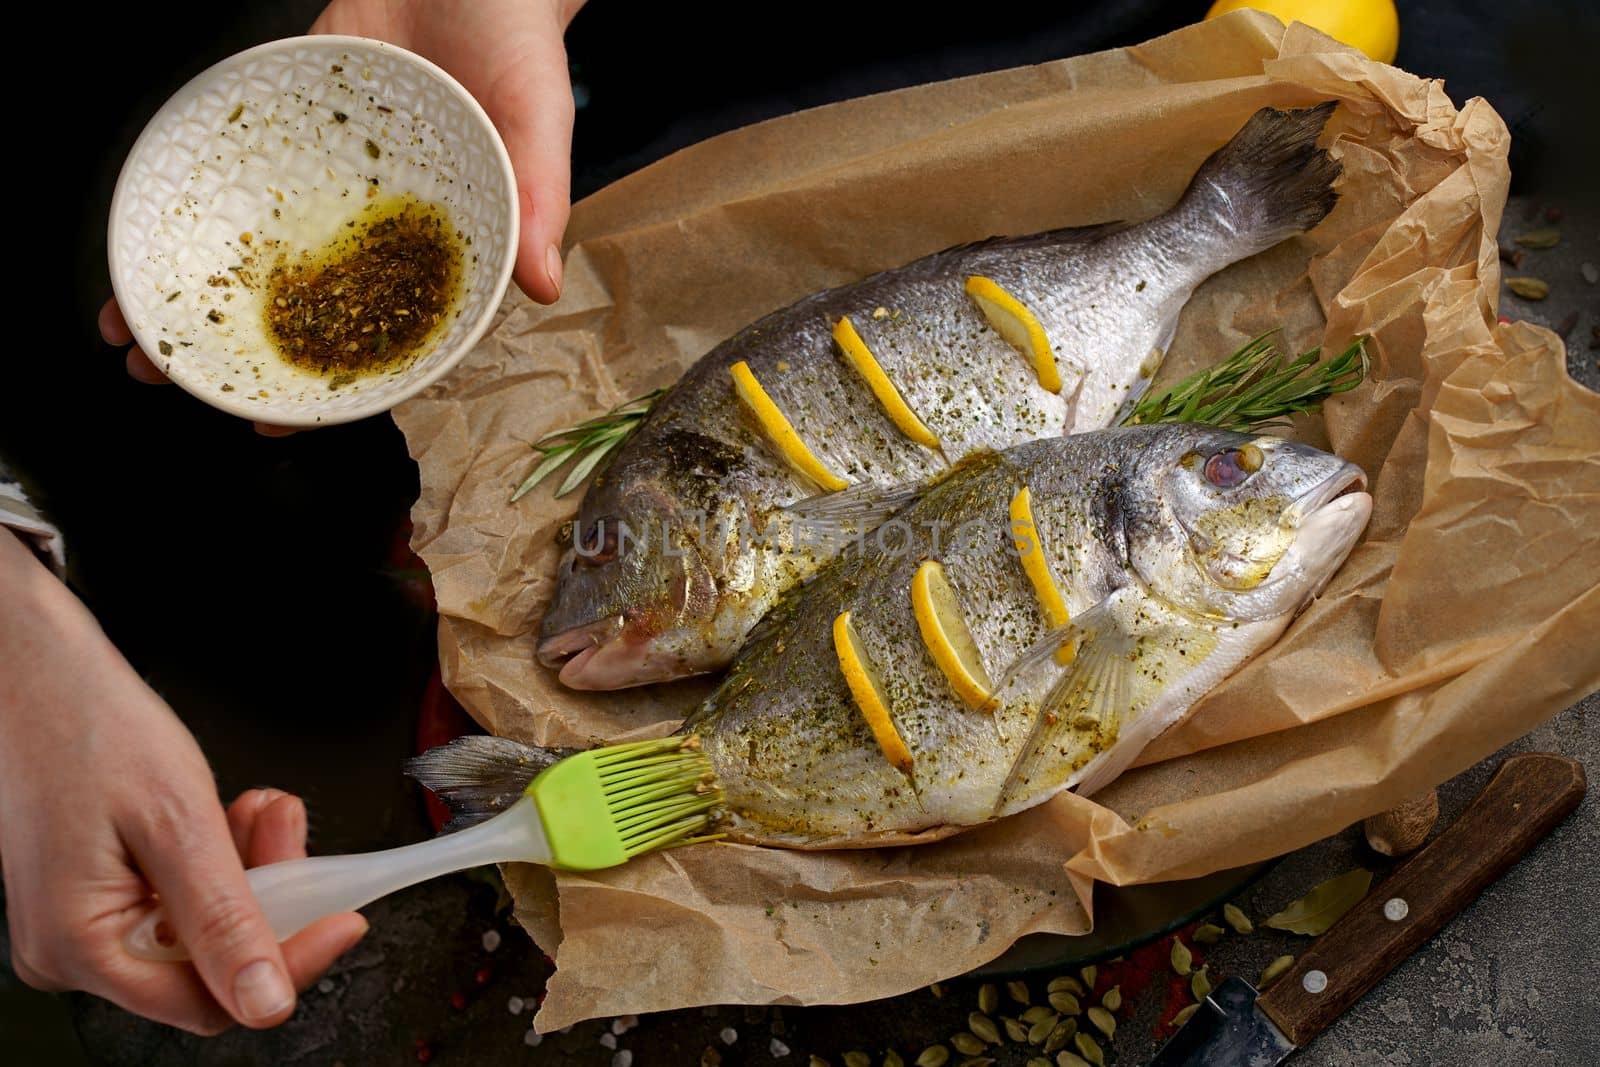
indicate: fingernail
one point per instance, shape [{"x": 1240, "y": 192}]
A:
[
  {"x": 355, "y": 938},
  {"x": 552, "y": 264},
  {"x": 262, "y": 991}
]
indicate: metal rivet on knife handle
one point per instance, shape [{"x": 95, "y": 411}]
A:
[
  {"x": 1395, "y": 909},
  {"x": 1314, "y": 982}
]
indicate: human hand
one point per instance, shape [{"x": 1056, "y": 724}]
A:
[
  {"x": 104, "y": 797},
  {"x": 510, "y": 56}
]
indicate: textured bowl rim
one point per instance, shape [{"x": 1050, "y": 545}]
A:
[{"x": 410, "y": 385}]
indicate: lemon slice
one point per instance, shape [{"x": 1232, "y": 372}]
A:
[
  {"x": 1017, "y": 325},
  {"x": 944, "y": 631},
  {"x": 1025, "y": 535},
  {"x": 858, "y": 676},
  {"x": 860, "y": 356},
  {"x": 779, "y": 431}
]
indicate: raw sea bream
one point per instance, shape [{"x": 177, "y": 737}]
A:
[
  {"x": 1035, "y": 619},
  {"x": 830, "y": 408}
]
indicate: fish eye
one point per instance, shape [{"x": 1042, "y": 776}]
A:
[
  {"x": 599, "y": 542},
  {"x": 1232, "y": 466}
]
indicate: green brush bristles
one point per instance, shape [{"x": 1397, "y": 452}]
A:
[{"x": 605, "y": 806}]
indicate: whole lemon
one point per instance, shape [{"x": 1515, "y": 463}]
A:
[{"x": 1370, "y": 25}]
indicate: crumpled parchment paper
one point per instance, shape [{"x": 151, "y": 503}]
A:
[{"x": 1467, "y": 615}]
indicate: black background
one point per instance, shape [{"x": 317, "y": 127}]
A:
[{"x": 244, "y": 575}]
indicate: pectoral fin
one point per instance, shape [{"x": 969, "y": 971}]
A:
[
  {"x": 861, "y": 507},
  {"x": 1091, "y": 721}
]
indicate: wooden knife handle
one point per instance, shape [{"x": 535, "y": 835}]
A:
[{"x": 1527, "y": 797}]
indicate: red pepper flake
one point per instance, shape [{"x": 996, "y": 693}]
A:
[
  {"x": 458, "y": 1000},
  {"x": 483, "y": 976},
  {"x": 1504, "y": 321},
  {"x": 424, "y": 1051}
]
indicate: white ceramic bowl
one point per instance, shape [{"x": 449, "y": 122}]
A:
[{"x": 254, "y": 146}]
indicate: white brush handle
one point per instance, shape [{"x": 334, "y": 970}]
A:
[{"x": 296, "y": 893}]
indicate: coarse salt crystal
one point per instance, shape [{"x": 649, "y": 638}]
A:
[
  {"x": 325, "y": 986},
  {"x": 623, "y": 1023},
  {"x": 779, "y": 1049},
  {"x": 608, "y": 1040},
  {"x": 533, "y": 1039},
  {"x": 623, "y": 1058},
  {"x": 729, "y": 1035},
  {"x": 491, "y": 940},
  {"x": 515, "y": 1005}
]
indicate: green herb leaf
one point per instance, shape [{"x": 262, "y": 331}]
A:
[
  {"x": 1319, "y": 909},
  {"x": 1255, "y": 387},
  {"x": 588, "y": 443}
]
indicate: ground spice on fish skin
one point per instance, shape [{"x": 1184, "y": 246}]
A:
[{"x": 371, "y": 298}]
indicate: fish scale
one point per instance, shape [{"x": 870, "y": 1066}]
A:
[{"x": 1107, "y": 299}]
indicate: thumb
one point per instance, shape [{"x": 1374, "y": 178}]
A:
[
  {"x": 531, "y": 105},
  {"x": 187, "y": 853}
]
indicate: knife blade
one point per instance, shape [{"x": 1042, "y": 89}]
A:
[{"x": 1236, "y": 1026}]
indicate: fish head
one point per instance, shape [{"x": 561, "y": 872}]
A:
[
  {"x": 1240, "y": 526},
  {"x": 639, "y": 587}
]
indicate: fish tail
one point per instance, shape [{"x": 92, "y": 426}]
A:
[
  {"x": 478, "y": 776},
  {"x": 1270, "y": 181}
]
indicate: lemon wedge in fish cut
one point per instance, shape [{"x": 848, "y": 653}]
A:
[
  {"x": 1025, "y": 535},
  {"x": 1013, "y": 321},
  {"x": 866, "y": 364},
  {"x": 944, "y": 631},
  {"x": 868, "y": 697},
  {"x": 779, "y": 431}
]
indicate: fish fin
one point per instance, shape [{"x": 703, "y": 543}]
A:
[
  {"x": 479, "y": 776},
  {"x": 1089, "y": 724},
  {"x": 1270, "y": 181},
  {"x": 862, "y": 506}
]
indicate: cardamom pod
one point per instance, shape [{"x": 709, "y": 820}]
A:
[
  {"x": 1182, "y": 958},
  {"x": 1185, "y": 1015},
  {"x": 1529, "y": 288},
  {"x": 1035, "y": 1013},
  {"x": 857, "y": 1058},
  {"x": 984, "y": 1027},
  {"x": 937, "y": 989},
  {"x": 1065, "y": 1003},
  {"x": 967, "y": 1044},
  {"x": 1019, "y": 992},
  {"x": 1089, "y": 1048},
  {"x": 1273, "y": 970},
  {"x": 933, "y": 1056},
  {"x": 1544, "y": 237},
  {"x": 1015, "y": 1030},
  {"x": 1208, "y": 934},
  {"x": 1067, "y": 984},
  {"x": 1061, "y": 1035},
  {"x": 1113, "y": 998},
  {"x": 891, "y": 1058},
  {"x": 1038, "y": 1061},
  {"x": 1103, "y": 1021},
  {"x": 1042, "y": 1028},
  {"x": 1200, "y": 984},
  {"x": 1070, "y": 1059},
  {"x": 988, "y": 998},
  {"x": 1237, "y": 919},
  {"x": 1089, "y": 974},
  {"x": 817, "y": 1061}
]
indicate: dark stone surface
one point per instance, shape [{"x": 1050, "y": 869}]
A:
[{"x": 306, "y": 521}]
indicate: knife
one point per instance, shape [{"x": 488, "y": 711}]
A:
[{"x": 1237, "y": 1026}]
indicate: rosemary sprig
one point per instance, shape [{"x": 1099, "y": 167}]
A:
[
  {"x": 1255, "y": 387},
  {"x": 587, "y": 443}
]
